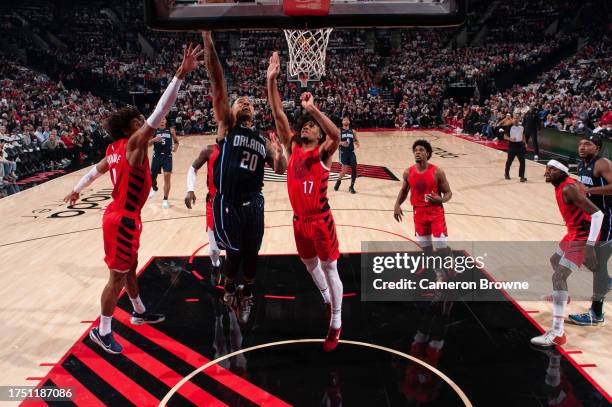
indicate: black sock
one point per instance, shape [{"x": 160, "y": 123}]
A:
[{"x": 597, "y": 307}]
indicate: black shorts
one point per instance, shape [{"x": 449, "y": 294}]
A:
[
  {"x": 161, "y": 161},
  {"x": 348, "y": 158},
  {"x": 239, "y": 226}
]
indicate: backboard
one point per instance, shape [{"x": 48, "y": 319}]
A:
[{"x": 186, "y": 15}]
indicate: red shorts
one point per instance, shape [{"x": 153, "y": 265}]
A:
[
  {"x": 210, "y": 221},
  {"x": 315, "y": 236},
  {"x": 429, "y": 221},
  {"x": 121, "y": 240},
  {"x": 571, "y": 251}
]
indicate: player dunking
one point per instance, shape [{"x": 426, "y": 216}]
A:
[
  {"x": 348, "y": 159},
  {"x": 583, "y": 221},
  {"x": 595, "y": 173},
  {"x": 238, "y": 205},
  {"x": 164, "y": 144},
  {"x": 310, "y": 157},
  {"x": 127, "y": 161},
  {"x": 429, "y": 190},
  {"x": 207, "y": 156}
]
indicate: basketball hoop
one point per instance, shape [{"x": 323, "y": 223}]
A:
[{"x": 307, "y": 50}]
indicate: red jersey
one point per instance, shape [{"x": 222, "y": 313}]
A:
[
  {"x": 210, "y": 179},
  {"x": 307, "y": 180},
  {"x": 421, "y": 184},
  {"x": 131, "y": 185},
  {"x": 577, "y": 221}
]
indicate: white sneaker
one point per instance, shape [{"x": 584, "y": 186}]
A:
[
  {"x": 165, "y": 204},
  {"x": 535, "y": 157},
  {"x": 549, "y": 338},
  {"x": 151, "y": 193},
  {"x": 495, "y": 140}
]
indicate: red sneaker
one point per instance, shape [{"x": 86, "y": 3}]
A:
[{"x": 331, "y": 340}]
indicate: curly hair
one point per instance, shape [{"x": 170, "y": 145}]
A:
[
  {"x": 120, "y": 120},
  {"x": 302, "y": 120},
  {"x": 426, "y": 145}
]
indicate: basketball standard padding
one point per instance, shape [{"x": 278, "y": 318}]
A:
[{"x": 301, "y": 8}]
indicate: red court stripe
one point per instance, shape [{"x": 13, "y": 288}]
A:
[
  {"x": 87, "y": 322},
  {"x": 168, "y": 376},
  {"x": 113, "y": 376},
  {"x": 191, "y": 300},
  {"x": 573, "y": 352},
  {"x": 80, "y": 395},
  {"x": 236, "y": 383},
  {"x": 47, "y": 364},
  {"x": 34, "y": 378},
  {"x": 349, "y": 295},
  {"x": 588, "y": 365},
  {"x": 195, "y": 252},
  {"x": 280, "y": 297},
  {"x": 197, "y": 275},
  {"x": 532, "y": 312}
]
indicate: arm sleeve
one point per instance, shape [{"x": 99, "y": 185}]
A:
[
  {"x": 596, "y": 221},
  {"x": 191, "y": 179},
  {"x": 87, "y": 179},
  {"x": 165, "y": 103}
]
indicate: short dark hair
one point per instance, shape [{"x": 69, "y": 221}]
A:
[
  {"x": 425, "y": 144},
  {"x": 120, "y": 120}
]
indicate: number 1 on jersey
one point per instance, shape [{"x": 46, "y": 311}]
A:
[{"x": 307, "y": 188}]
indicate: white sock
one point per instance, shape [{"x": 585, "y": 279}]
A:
[
  {"x": 213, "y": 249},
  {"x": 314, "y": 268},
  {"x": 138, "y": 305},
  {"x": 335, "y": 287},
  {"x": 105, "y": 325},
  {"x": 559, "y": 303}
]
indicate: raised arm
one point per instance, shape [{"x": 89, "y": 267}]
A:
[
  {"x": 283, "y": 129},
  {"x": 401, "y": 197},
  {"x": 221, "y": 105},
  {"x": 332, "y": 142},
  {"x": 137, "y": 144}
]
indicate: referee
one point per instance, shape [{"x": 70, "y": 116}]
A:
[{"x": 517, "y": 147}]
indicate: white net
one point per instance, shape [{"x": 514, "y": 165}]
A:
[{"x": 307, "y": 49}]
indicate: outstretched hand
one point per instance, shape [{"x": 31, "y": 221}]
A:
[
  {"x": 276, "y": 144},
  {"x": 191, "y": 60},
  {"x": 308, "y": 101},
  {"x": 72, "y": 197},
  {"x": 274, "y": 67}
]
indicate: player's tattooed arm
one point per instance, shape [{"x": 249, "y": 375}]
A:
[
  {"x": 603, "y": 168},
  {"x": 283, "y": 129},
  {"x": 221, "y": 105},
  {"x": 401, "y": 197},
  {"x": 443, "y": 188},
  {"x": 275, "y": 156}
]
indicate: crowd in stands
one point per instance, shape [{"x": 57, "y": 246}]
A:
[
  {"x": 45, "y": 126},
  {"x": 399, "y": 78}
]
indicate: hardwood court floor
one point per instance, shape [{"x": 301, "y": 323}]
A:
[{"x": 52, "y": 271}]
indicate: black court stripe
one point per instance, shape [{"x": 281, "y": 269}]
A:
[
  {"x": 125, "y": 233},
  {"x": 205, "y": 382},
  {"x": 106, "y": 393},
  {"x": 140, "y": 376},
  {"x": 124, "y": 242},
  {"x": 51, "y": 383}
]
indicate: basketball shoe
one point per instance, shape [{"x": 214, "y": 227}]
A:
[{"x": 549, "y": 338}]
